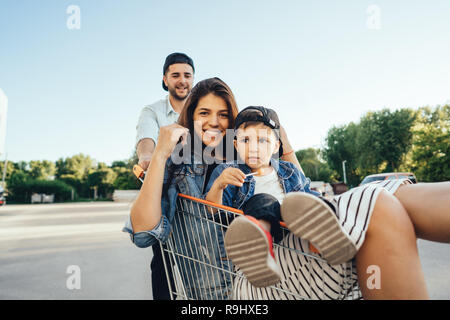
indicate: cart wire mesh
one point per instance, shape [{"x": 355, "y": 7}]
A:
[{"x": 198, "y": 268}]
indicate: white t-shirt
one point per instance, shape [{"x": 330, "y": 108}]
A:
[{"x": 269, "y": 184}]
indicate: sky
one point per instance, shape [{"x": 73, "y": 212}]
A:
[{"x": 76, "y": 83}]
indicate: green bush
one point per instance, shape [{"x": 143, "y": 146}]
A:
[{"x": 21, "y": 192}]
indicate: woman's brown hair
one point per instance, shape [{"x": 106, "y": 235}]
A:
[{"x": 212, "y": 85}]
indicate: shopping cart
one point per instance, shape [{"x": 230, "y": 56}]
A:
[{"x": 198, "y": 268}]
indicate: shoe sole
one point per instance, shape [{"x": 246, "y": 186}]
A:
[
  {"x": 310, "y": 218},
  {"x": 248, "y": 248}
]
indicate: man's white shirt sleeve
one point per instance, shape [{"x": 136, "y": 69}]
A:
[
  {"x": 147, "y": 126},
  {"x": 153, "y": 117}
]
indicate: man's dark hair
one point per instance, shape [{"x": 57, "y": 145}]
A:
[{"x": 173, "y": 58}]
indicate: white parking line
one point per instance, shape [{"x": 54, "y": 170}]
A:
[
  {"x": 78, "y": 205},
  {"x": 37, "y": 232},
  {"x": 60, "y": 216}
]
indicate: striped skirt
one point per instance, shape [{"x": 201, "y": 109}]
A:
[{"x": 311, "y": 278}]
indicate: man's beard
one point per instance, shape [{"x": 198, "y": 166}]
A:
[{"x": 174, "y": 94}]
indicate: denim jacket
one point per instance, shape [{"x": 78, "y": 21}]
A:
[
  {"x": 190, "y": 239},
  {"x": 291, "y": 178},
  {"x": 188, "y": 179}
]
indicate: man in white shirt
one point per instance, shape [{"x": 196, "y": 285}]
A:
[{"x": 178, "y": 78}]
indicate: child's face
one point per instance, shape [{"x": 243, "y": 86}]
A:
[{"x": 256, "y": 144}]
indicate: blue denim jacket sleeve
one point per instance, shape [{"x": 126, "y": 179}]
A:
[
  {"x": 162, "y": 231},
  {"x": 214, "y": 175},
  {"x": 227, "y": 196},
  {"x": 144, "y": 239}
]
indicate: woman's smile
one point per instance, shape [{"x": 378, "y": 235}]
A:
[
  {"x": 211, "y": 119},
  {"x": 213, "y": 134}
]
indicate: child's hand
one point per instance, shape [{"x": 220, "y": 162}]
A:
[{"x": 232, "y": 176}]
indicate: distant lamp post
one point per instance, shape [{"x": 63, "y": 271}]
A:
[{"x": 343, "y": 169}]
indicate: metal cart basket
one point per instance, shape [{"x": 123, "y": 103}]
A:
[{"x": 198, "y": 268}]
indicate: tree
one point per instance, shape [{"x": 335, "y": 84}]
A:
[
  {"x": 340, "y": 146},
  {"x": 78, "y": 166},
  {"x": 119, "y": 164},
  {"x": 79, "y": 172},
  {"x": 22, "y": 190},
  {"x": 125, "y": 180},
  {"x": 314, "y": 167},
  {"x": 43, "y": 170},
  {"x": 103, "y": 179},
  {"x": 10, "y": 168},
  {"x": 429, "y": 158},
  {"x": 384, "y": 137},
  {"x": 17, "y": 177},
  {"x": 378, "y": 143},
  {"x": 74, "y": 171}
]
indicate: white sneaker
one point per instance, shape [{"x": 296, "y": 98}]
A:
[
  {"x": 250, "y": 247},
  {"x": 311, "y": 218}
]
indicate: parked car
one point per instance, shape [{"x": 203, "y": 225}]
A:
[
  {"x": 324, "y": 188},
  {"x": 389, "y": 176},
  {"x": 339, "y": 188},
  {"x": 2, "y": 197}
]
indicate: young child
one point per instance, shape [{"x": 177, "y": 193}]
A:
[{"x": 258, "y": 187}]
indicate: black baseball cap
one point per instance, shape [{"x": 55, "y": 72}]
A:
[
  {"x": 173, "y": 58},
  {"x": 260, "y": 114}
]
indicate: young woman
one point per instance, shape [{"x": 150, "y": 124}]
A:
[{"x": 209, "y": 111}]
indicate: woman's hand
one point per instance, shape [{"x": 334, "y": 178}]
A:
[
  {"x": 228, "y": 176},
  {"x": 168, "y": 138}
]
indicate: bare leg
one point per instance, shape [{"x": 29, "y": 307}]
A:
[
  {"x": 428, "y": 206},
  {"x": 390, "y": 245}
]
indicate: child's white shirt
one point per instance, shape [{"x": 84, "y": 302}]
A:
[{"x": 270, "y": 184}]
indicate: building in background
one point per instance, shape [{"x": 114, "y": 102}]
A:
[{"x": 3, "y": 109}]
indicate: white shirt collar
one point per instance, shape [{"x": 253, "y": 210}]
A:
[{"x": 169, "y": 107}]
